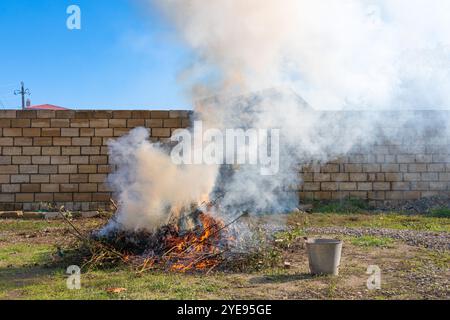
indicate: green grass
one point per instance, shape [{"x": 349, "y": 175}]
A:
[
  {"x": 371, "y": 241},
  {"x": 375, "y": 220},
  {"x": 51, "y": 284},
  {"x": 357, "y": 213},
  {"x": 24, "y": 254},
  {"x": 438, "y": 259},
  {"x": 440, "y": 213},
  {"x": 14, "y": 225},
  {"x": 404, "y": 222},
  {"x": 29, "y": 225},
  {"x": 344, "y": 207},
  {"x": 24, "y": 274}
]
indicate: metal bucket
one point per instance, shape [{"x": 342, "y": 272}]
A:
[{"x": 324, "y": 256}]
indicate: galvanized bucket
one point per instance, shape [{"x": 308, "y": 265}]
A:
[{"x": 324, "y": 256}]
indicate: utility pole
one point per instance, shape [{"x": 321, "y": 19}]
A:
[{"x": 22, "y": 92}]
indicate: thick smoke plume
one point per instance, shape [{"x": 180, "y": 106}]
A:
[
  {"x": 149, "y": 185},
  {"x": 384, "y": 55},
  {"x": 354, "y": 53}
]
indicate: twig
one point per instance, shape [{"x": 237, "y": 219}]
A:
[
  {"x": 80, "y": 235},
  {"x": 210, "y": 269},
  {"x": 114, "y": 204},
  {"x": 144, "y": 266},
  {"x": 204, "y": 257},
  {"x": 88, "y": 241},
  {"x": 212, "y": 234},
  {"x": 214, "y": 266},
  {"x": 215, "y": 232}
]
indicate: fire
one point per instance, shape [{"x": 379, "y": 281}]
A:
[
  {"x": 197, "y": 249},
  {"x": 194, "y": 239}
]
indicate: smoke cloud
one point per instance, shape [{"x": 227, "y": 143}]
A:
[
  {"x": 337, "y": 54},
  {"x": 149, "y": 186},
  {"x": 383, "y": 55}
]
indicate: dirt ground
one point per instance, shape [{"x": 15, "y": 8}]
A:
[{"x": 409, "y": 270}]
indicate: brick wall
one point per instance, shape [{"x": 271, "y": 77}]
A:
[
  {"x": 408, "y": 167},
  {"x": 61, "y": 157}
]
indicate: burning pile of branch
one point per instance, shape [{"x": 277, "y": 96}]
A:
[
  {"x": 174, "y": 247},
  {"x": 198, "y": 249}
]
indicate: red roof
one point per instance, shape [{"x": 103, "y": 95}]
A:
[{"x": 45, "y": 107}]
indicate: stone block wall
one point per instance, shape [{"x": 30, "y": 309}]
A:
[
  {"x": 389, "y": 172},
  {"x": 61, "y": 157}
]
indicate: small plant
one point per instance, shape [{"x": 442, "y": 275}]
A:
[
  {"x": 286, "y": 239},
  {"x": 105, "y": 214},
  {"x": 332, "y": 288},
  {"x": 258, "y": 253},
  {"x": 372, "y": 241},
  {"x": 66, "y": 213},
  {"x": 440, "y": 213},
  {"x": 47, "y": 207}
]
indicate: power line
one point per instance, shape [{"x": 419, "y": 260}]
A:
[{"x": 23, "y": 92}]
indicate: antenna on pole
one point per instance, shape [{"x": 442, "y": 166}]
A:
[{"x": 23, "y": 92}]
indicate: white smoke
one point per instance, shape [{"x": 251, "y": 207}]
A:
[
  {"x": 337, "y": 54},
  {"x": 354, "y": 53},
  {"x": 149, "y": 185}
]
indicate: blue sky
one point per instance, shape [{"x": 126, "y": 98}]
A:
[{"x": 125, "y": 56}]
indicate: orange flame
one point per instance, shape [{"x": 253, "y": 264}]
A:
[{"x": 197, "y": 249}]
